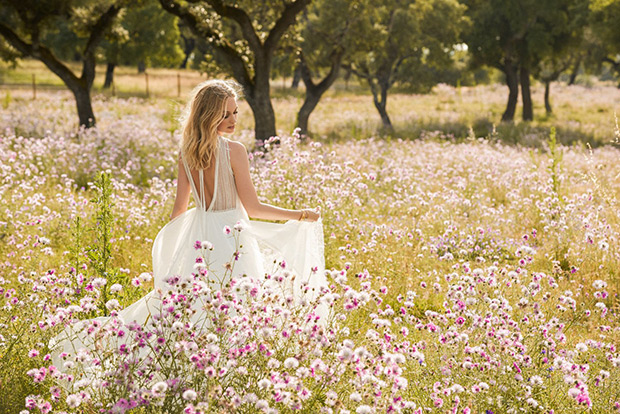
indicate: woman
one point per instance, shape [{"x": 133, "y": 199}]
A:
[
  {"x": 217, "y": 172},
  {"x": 216, "y": 240}
]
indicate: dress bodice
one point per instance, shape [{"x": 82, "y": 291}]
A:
[{"x": 224, "y": 189}]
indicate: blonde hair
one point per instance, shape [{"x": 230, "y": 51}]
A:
[{"x": 205, "y": 111}]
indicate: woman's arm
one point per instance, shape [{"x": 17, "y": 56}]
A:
[
  {"x": 183, "y": 190},
  {"x": 247, "y": 191}
]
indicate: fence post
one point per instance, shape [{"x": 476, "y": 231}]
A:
[
  {"x": 146, "y": 76},
  {"x": 178, "y": 84},
  {"x": 34, "y": 87}
]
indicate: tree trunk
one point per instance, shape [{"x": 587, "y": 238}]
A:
[
  {"x": 526, "y": 94},
  {"x": 512, "y": 82},
  {"x": 296, "y": 77},
  {"x": 310, "y": 102},
  {"x": 188, "y": 47},
  {"x": 264, "y": 116},
  {"x": 83, "y": 102},
  {"x": 109, "y": 75},
  {"x": 385, "y": 118},
  {"x": 548, "y": 108},
  {"x": 575, "y": 71},
  {"x": 380, "y": 100},
  {"x": 314, "y": 92},
  {"x": 259, "y": 98}
]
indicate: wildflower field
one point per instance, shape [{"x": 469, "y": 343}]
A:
[{"x": 466, "y": 275}]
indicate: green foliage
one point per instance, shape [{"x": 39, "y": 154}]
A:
[
  {"x": 399, "y": 41},
  {"x": 7, "y": 100},
  {"x": 263, "y": 16},
  {"x": 330, "y": 26},
  {"x": 100, "y": 253},
  {"x": 7, "y": 54},
  {"x": 63, "y": 26},
  {"x": 522, "y": 30},
  {"x": 604, "y": 18},
  {"x": 145, "y": 34},
  {"x": 556, "y": 158}
]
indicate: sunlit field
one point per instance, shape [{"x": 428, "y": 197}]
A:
[
  {"x": 581, "y": 113},
  {"x": 473, "y": 271}
]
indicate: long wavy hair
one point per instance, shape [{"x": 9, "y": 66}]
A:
[{"x": 200, "y": 120}]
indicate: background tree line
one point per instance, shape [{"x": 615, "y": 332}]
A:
[{"x": 410, "y": 44}]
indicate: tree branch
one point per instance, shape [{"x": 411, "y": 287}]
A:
[
  {"x": 306, "y": 75},
  {"x": 323, "y": 85},
  {"x": 359, "y": 74},
  {"x": 392, "y": 76},
  {"x": 240, "y": 71},
  {"x": 284, "y": 22},
  {"x": 98, "y": 30},
  {"x": 333, "y": 71},
  {"x": 615, "y": 64},
  {"x": 43, "y": 53},
  {"x": 24, "y": 48},
  {"x": 96, "y": 35},
  {"x": 242, "y": 19}
]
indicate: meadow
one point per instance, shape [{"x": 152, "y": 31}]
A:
[{"x": 473, "y": 268}]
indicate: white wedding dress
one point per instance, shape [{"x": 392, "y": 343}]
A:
[{"x": 260, "y": 245}]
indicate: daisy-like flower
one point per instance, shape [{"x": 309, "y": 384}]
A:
[
  {"x": 145, "y": 277},
  {"x": 190, "y": 395},
  {"x": 291, "y": 363},
  {"x": 74, "y": 400},
  {"x": 159, "y": 388}
]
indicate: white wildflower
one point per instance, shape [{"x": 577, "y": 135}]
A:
[
  {"x": 74, "y": 400},
  {"x": 291, "y": 363},
  {"x": 159, "y": 388},
  {"x": 355, "y": 396},
  {"x": 145, "y": 277},
  {"x": 190, "y": 395}
]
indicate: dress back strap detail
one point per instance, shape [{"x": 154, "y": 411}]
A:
[
  {"x": 224, "y": 188},
  {"x": 188, "y": 172},
  {"x": 199, "y": 196}
]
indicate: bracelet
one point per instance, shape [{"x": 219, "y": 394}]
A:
[{"x": 304, "y": 215}]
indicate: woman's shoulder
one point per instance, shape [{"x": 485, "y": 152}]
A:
[{"x": 235, "y": 147}]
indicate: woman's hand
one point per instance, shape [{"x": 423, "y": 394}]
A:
[{"x": 310, "y": 215}]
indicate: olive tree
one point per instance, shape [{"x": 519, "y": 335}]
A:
[
  {"x": 329, "y": 35},
  {"x": 515, "y": 35},
  {"x": 24, "y": 25},
  {"x": 244, "y": 34},
  {"x": 395, "y": 33}
]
